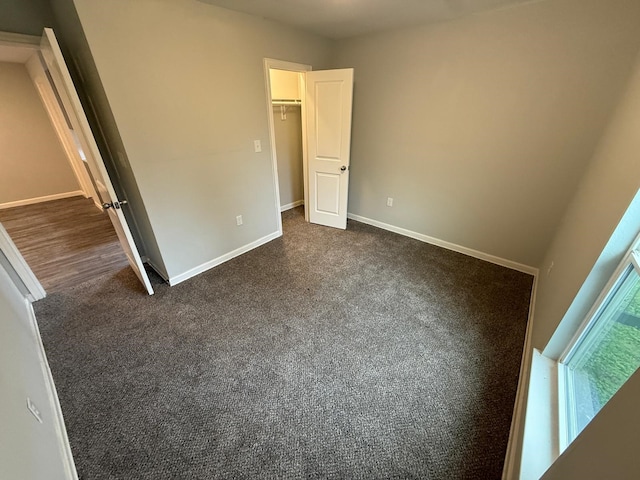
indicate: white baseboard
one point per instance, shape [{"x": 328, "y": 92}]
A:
[
  {"x": 46, "y": 198},
  {"x": 511, "y": 470},
  {"x": 61, "y": 430},
  {"x": 291, "y": 205},
  {"x": 221, "y": 259},
  {"x": 448, "y": 245}
]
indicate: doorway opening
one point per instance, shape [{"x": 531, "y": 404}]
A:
[
  {"x": 50, "y": 208},
  {"x": 287, "y": 122},
  {"x": 325, "y": 98},
  {"x": 285, "y": 84},
  {"x": 77, "y": 239}
]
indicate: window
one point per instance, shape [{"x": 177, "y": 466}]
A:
[{"x": 604, "y": 353}]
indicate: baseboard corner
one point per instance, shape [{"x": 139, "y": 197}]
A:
[
  {"x": 176, "y": 279},
  {"x": 289, "y": 206}
]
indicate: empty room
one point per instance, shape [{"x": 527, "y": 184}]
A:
[{"x": 418, "y": 260}]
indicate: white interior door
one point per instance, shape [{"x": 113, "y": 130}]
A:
[
  {"x": 38, "y": 75},
  {"x": 71, "y": 103},
  {"x": 329, "y": 95}
]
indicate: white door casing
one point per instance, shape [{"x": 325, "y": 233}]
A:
[
  {"x": 300, "y": 68},
  {"x": 59, "y": 72},
  {"x": 329, "y": 96}
]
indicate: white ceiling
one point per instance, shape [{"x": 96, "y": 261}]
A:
[{"x": 348, "y": 18}]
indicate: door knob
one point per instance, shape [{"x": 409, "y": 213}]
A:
[
  {"x": 343, "y": 168},
  {"x": 115, "y": 204}
]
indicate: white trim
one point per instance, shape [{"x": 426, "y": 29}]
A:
[
  {"x": 221, "y": 259},
  {"x": 58, "y": 420},
  {"x": 516, "y": 431},
  {"x": 20, "y": 266},
  {"x": 46, "y": 198},
  {"x": 540, "y": 439},
  {"x": 448, "y": 245},
  {"x": 291, "y": 205},
  {"x": 561, "y": 405},
  {"x": 598, "y": 305}
]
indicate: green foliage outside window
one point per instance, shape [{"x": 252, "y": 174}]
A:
[{"x": 618, "y": 354}]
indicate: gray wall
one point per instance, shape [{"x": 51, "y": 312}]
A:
[
  {"x": 32, "y": 161},
  {"x": 28, "y": 17},
  {"x": 96, "y": 105},
  {"x": 602, "y": 220},
  {"x": 485, "y": 130},
  {"x": 602, "y": 197},
  {"x": 186, "y": 86},
  {"x": 289, "y": 153},
  {"x": 28, "y": 449},
  {"x": 481, "y": 128}
]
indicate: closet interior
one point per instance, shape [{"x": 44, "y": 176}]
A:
[{"x": 286, "y": 97}]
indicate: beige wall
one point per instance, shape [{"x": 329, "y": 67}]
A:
[
  {"x": 285, "y": 85},
  {"x": 32, "y": 160},
  {"x": 481, "y": 128},
  {"x": 289, "y": 152},
  {"x": 188, "y": 109}
]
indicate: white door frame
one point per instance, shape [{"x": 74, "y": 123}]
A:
[
  {"x": 292, "y": 67},
  {"x": 18, "y": 264}
]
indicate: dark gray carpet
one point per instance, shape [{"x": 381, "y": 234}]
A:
[{"x": 356, "y": 354}]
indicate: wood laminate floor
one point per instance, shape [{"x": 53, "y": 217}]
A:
[{"x": 65, "y": 242}]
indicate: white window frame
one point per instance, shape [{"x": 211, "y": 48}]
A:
[{"x": 566, "y": 401}]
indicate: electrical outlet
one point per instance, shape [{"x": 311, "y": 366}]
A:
[
  {"x": 239, "y": 220},
  {"x": 257, "y": 146},
  {"x": 34, "y": 410},
  {"x": 389, "y": 202}
]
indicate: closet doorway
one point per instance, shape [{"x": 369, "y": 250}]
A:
[
  {"x": 285, "y": 83},
  {"x": 325, "y": 101}
]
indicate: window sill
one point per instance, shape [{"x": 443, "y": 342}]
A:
[{"x": 540, "y": 445}]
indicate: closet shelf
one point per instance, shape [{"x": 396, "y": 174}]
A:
[{"x": 286, "y": 102}]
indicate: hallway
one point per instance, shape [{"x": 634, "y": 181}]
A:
[{"x": 65, "y": 242}]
